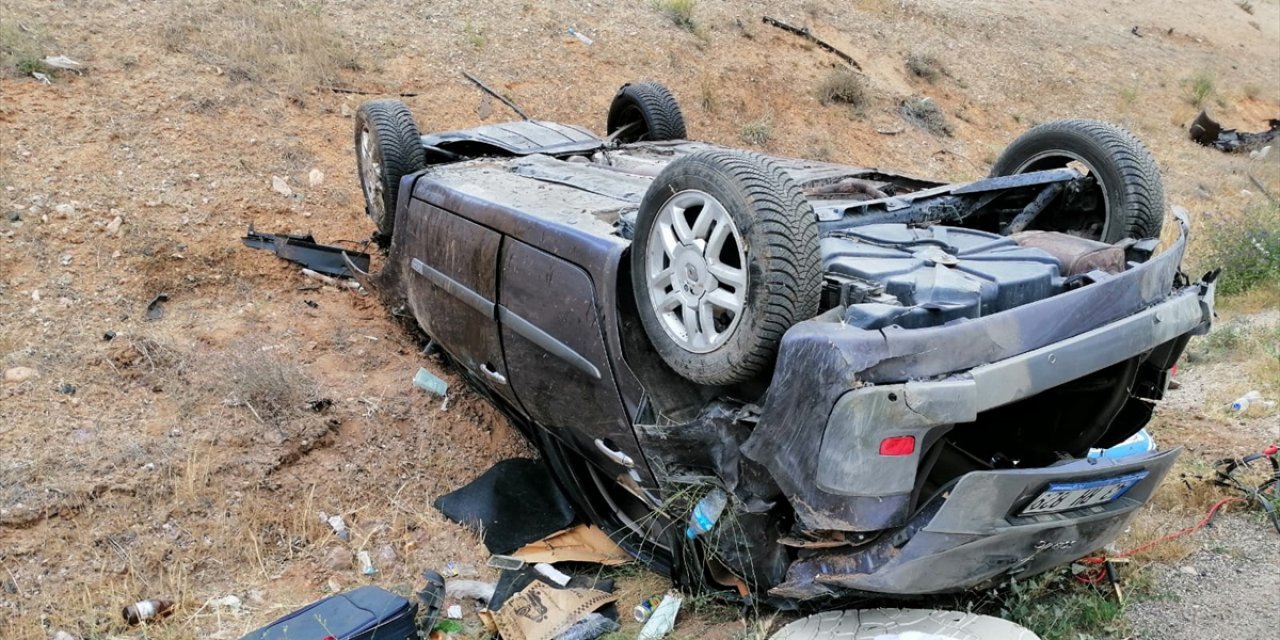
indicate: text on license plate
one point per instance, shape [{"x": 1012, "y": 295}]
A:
[{"x": 1065, "y": 496}]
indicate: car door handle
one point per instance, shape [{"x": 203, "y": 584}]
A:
[
  {"x": 616, "y": 456},
  {"x": 492, "y": 374}
]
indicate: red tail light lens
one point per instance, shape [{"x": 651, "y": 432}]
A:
[{"x": 898, "y": 446}]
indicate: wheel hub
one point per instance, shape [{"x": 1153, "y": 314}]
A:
[{"x": 696, "y": 271}]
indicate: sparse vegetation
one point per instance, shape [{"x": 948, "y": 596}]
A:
[
  {"x": 21, "y": 50},
  {"x": 273, "y": 390},
  {"x": 844, "y": 86},
  {"x": 1056, "y": 607},
  {"x": 757, "y": 132},
  {"x": 286, "y": 46},
  {"x": 925, "y": 66},
  {"x": 679, "y": 12},
  {"x": 1199, "y": 88},
  {"x": 926, "y": 114},
  {"x": 1246, "y": 248},
  {"x": 475, "y": 39}
]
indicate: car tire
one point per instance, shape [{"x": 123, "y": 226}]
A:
[
  {"x": 651, "y": 111},
  {"x": 1129, "y": 180},
  {"x": 724, "y": 261},
  {"x": 388, "y": 147},
  {"x": 902, "y": 623}
]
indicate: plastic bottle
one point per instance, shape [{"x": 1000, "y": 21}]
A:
[
  {"x": 145, "y": 610},
  {"x": 581, "y": 37},
  {"x": 589, "y": 628},
  {"x": 706, "y": 512},
  {"x": 1241, "y": 404}
]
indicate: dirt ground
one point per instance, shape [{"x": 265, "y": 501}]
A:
[{"x": 189, "y": 455}]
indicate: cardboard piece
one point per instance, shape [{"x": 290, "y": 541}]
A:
[
  {"x": 542, "y": 612},
  {"x": 583, "y": 543}
]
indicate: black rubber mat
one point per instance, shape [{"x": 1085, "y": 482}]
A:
[{"x": 512, "y": 504}]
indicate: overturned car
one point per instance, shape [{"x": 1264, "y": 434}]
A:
[{"x": 891, "y": 383}]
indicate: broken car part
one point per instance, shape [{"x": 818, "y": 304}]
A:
[
  {"x": 1207, "y": 132},
  {"x": 304, "y": 250}
]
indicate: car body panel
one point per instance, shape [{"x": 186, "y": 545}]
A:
[{"x": 519, "y": 263}]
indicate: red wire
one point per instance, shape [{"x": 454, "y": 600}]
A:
[{"x": 1095, "y": 575}]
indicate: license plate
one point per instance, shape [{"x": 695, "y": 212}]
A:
[{"x": 1066, "y": 496}]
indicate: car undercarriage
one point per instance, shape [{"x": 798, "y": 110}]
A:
[{"x": 894, "y": 381}]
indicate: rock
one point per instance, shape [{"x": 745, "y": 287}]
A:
[
  {"x": 18, "y": 375},
  {"x": 61, "y": 635},
  {"x": 387, "y": 555},
  {"x": 315, "y": 178},
  {"x": 225, "y": 602},
  {"x": 15, "y": 216},
  {"x": 65, "y": 259},
  {"x": 345, "y": 111},
  {"x": 1189, "y": 571},
  {"x": 337, "y": 559},
  {"x": 113, "y": 227},
  {"x": 281, "y": 186},
  {"x": 65, "y": 210}
]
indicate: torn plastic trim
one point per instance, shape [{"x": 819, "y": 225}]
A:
[
  {"x": 971, "y": 535},
  {"x": 848, "y": 462}
]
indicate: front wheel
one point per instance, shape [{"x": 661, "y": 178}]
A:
[
  {"x": 645, "y": 111},
  {"x": 724, "y": 261},
  {"x": 1127, "y": 199},
  {"x": 388, "y": 147}
]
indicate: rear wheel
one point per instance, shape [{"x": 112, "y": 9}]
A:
[
  {"x": 724, "y": 261},
  {"x": 1127, "y": 189},
  {"x": 388, "y": 147},
  {"x": 648, "y": 111}
]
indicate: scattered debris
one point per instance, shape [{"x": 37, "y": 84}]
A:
[
  {"x": 109, "y": 336},
  {"x": 18, "y": 375},
  {"x": 315, "y": 178},
  {"x": 366, "y": 612},
  {"x": 501, "y": 98},
  {"x": 551, "y": 573},
  {"x": 62, "y": 62},
  {"x": 581, "y": 37},
  {"x": 1134, "y": 31},
  {"x": 809, "y": 35},
  {"x": 225, "y": 602},
  {"x": 147, "y": 610},
  {"x": 113, "y": 227},
  {"x": 515, "y": 502},
  {"x": 506, "y": 563},
  {"x": 920, "y": 624},
  {"x": 281, "y": 186},
  {"x": 346, "y": 111},
  {"x": 1242, "y": 404},
  {"x": 582, "y": 543},
  {"x": 460, "y": 570},
  {"x": 304, "y": 250},
  {"x": 154, "y": 309},
  {"x": 333, "y": 282},
  {"x": 42, "y": 77},
  {"x": 1261, "y": 187},
  {"x": 366, "y": 563},
  {"x": 645, "y": 609},
  {"x": 430, "y": 383},
  {"x": 589, "y": 628},
  {"x": 1207, "y": 132},
  {"x": 474, "y": 589},
  {"x": 338, "y": 525},
  {"x": 663, "y": 618},
  {"x": 67, "y": 388},
  {"x": 556, "y": 611}
]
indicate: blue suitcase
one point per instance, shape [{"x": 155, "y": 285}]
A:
[{"x": 367, "y": 613}]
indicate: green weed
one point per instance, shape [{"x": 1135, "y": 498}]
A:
[
  {"x": 680, "y": 12},
  {"x": 1199, "y": 88},
  {"x": 1246, "y": 248}
]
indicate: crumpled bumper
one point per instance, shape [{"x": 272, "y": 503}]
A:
[{"x": 973, "y": 534}]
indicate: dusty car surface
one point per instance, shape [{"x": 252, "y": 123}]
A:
[{"x": 894, "y": 381}]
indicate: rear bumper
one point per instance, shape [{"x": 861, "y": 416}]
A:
[{"x": 972, "y": 534}]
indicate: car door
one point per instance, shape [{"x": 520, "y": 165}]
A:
[
  {"x": 453, "y": 289},
  {"x": 555, "y": 352}
]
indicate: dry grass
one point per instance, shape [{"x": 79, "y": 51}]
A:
[
  {"x": 925, "y": 66},
  {"x": 758, "y": 132},
  {"x": 22, "y": 49},
  {"x": 274, "y": 390},
  {"x": 926, "y": 114},
  {"x": 1199, "y": 88},
  {"x": 288, "y": 46},
  {"x": 844, "y": 86}
]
